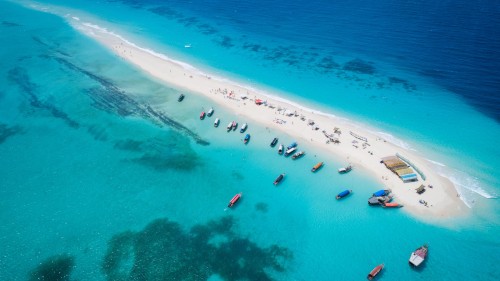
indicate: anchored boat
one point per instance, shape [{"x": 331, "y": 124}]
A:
[
  {"x": 244, "y": 128},
  {"x": 280, "y": 149},
  {"x": 279, "y": 179},
  {"x": 274, "y": 142},
  {"x": 317, "y": 167},
  {"x": 343, "y": 194},
  {"x": 290, "y": 151},
  {"x": 247, "y": 138},
  {"x": 392, "y": 205},
  {"x": 292, "y": 145},
  {"x": 202, "y": 115},
  {"x": 298, "y": 155},
  {"x": 235, "y": 125},
  {"x": 210, "y": 112},
  {"x": 419, "y": 255},
  {"x": 216, "y": 122},
  {"x": 234, "y": 200},
  {"x": 181, "y": 97},
  {"x": 345, "y": 170},
  {"x": 382, "y": 192},
  {"x": 379, "y": 200},
  {"x": 230, "y": 126},
  {"x": 375, "y": 271}
]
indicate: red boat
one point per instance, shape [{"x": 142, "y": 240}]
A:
[
  {"x": 202, "y": 115},
  {"x": 375, "y": 271},
  {"x": 234, "y": 200}
]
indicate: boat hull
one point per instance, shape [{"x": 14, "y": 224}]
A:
[{"x": 375, "y": 272}]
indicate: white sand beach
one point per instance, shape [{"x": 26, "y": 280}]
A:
[{"x": 442, "y": 199}]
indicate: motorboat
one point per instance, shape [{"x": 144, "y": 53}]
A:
[
  {"x": 317, "y": 167},
  {"x": 375, "y": 271},
  {"x": 280, "y": 149},
  {"x": 279, "y": 179},
  {"x": 419, "y": 255},
  {"x": 379, "y": 200},
  {"x": 244, "y": 128},
  {"x": 235, "y": 125},
  {"x": 230, "y": 126},
  {"x": 298, "y": 155},
  {"x": 345, "y": 170},
  {"x": 181, "y": 97},
  {"x": 290, "y": 151},
  {"x": 274, "y": 142},
  {"x": 234, "y": 200},
  {"x": 343, "y": 194},
  {"x": 210, "y": 112},
  {"x": 216, "y": 122},
  {"x": 382, "y": 192},
  {"x": 202, "y": 115},
  {"x": 247, "y": 138},
  {"x": 292, "y": 145}
]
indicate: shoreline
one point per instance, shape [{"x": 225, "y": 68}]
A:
[{"x": 282, "y": 115}]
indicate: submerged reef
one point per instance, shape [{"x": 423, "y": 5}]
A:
[
  {"x": 164, "y": 251},
  {"x": 7, "y": 132},
  {"x": 55, "y": 268},
  {"x": 359, "y": 66}
]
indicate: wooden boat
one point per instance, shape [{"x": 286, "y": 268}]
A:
[
  {"x": 298, "y": 155},
  {"x": 235, "y": 125},
  {"x": 419, "y": 255},
  {"x": 290, "y": 151},
  {"x": 280, "y": 149},
  {"x": 210, "y": 112},
  {"x": 392, "y": 205},
  {"x": 274, "y": 142},
  {"x": 202, "y": 115},
  {"x": 247, "y": 138},
  {"x": 216, "y": 122},
  {"x": 317, "y": 166},
  {"x": 244, "y": 128},
  {"x": 279, "y": 179},
  {"x": 234, "y": 200},
  {"x": 343, "y": 194},
  {"x": 345, "y": 170},
  {"x": 230, "y": 126},
  {"x": 375, "y": 271},
  {"x": 181, "y": 97}
]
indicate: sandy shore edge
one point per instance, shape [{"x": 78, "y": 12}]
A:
[{"x": 442, "y": 199}]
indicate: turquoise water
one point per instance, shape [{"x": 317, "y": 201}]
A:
[{"x": 95, "y": 186}]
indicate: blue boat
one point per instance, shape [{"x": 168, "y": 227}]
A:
[
  {"x": 247, "y": 138},
  {"x": 382, "y": 192},
  {"x": 343, "y": 194},
  {"x": 294, "y": 144}
]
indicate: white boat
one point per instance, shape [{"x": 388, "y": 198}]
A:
[
  {"x": 243, "y": 128},
  {"x": 280, "y": 149},
  {"x": 216, "y": 122},
  {"x": 210, "y": 112},
  {"x": 418, "y": 256},
  {"x": 345, "y": 169},
  {"x": 290, "y": 151},
  {"x": 230, "y": 126}
]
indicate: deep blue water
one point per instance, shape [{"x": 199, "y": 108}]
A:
[
  {"x": 96, "y": 185},
  {"x": 454, "y": 43}
]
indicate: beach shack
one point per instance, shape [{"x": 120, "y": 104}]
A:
[{"x": 400, "y": 168}]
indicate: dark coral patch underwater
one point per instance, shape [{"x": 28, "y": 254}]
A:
[
  {"x": 56, "y": 268},
  {"x": 164, "y": 251}
]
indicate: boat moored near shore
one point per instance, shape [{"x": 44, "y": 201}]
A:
[
  {"x": 244, "y": 128},
  {"x": 247, "y": 139},
  {"x": 216, "y": 122},
  {"x": 290, "y": 151},
  {"x": 298, "y": 155},
  {"x": 210, "y": 112},
  {"x": 345, "y": 170},
  {"x": 280, "y": 149},
  {"x": 230, "y": 126},
  {"x": 202, "y": 115},
  {"x": 274, "y": 142},
  {"x": 317, "y": 167},
  {"x": 181, "y": 97}
]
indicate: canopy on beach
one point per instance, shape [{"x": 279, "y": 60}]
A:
[{"x": 259, "y": 101}]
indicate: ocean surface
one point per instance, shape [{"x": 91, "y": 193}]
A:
[{"x": 106, "y": 176}]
